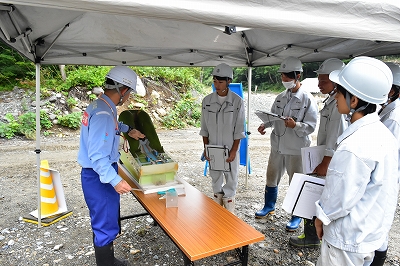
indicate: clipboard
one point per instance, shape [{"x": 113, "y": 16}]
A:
[
  {"x": 218, "y": 155},
  {"x": 303, "y": 192},
  {"x": 309, "y": 193},
  {"x": 268, "y": 117},
  {"x": 311, "y": 157}
]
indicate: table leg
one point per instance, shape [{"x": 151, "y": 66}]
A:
[
  {"x": 245, "y": 255},
  {"x": 187, "y": 261}
]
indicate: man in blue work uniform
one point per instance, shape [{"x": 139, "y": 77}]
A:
[{"x": 98, "y": 156}]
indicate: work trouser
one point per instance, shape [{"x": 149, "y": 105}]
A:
[
  {"x": 278, "y": 163},
  {"x": 231, "y": 179},
  {"x": 103, "y": 203},
  {"x": 332, "y": 256}
]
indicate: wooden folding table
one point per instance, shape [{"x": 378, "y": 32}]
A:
[{"x": 199, "y": 226}]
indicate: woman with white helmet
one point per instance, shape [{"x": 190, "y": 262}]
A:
[
  {"x": 331, "y": 126},
  {"x": 98, "y": 155},
  {"x": 288, "y": 136},
  {"x": 357, "y": 205},
  {"x": 222, "y": 123},
  {"x": 390, "y": 117}
]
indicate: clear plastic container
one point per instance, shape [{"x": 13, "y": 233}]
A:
[{"x": 171, "y": 198}]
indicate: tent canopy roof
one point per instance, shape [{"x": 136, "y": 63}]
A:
[{"x": 191, "y": 32}]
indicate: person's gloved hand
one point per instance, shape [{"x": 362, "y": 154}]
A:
[{"x": 136, "y": 134}]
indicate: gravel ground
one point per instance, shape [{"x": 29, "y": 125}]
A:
[{"x": 69, "y": 241}]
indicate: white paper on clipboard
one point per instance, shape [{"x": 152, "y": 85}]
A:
[
  {"x": 305, "y": 204},
  {"x": 267, "y": 117},
  {"x": 218, "y": 155},
  {"x": 303, "y": 192}
]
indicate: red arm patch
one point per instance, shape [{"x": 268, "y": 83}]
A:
[{"x": 85, "y": 119}]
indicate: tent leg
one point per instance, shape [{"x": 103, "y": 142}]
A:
[
  {"x": 248, "y": 123},
  {"x": 37, "y": 150}
]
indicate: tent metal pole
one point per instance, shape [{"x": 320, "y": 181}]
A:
[
  {"x": 249, "y": 54},
  {"x": 383, "y": 44},
  {"x": 14, "y": 21},
  {"x": 37, "y": 150},
  {"x": 248, "y": 122},
  {"x": 4, "y": 30},
  {"x": 52, "y": 43}
]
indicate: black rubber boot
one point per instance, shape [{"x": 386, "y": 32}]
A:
[
  {"x": 308, "y": 239},
  {"x": 105, "y": 256},
  {"x": 118, "y": 262},
  {"x": 379, "y": 259},
  {"x": 270, "y": 196}
]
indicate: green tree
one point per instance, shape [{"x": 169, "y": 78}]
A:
[{"x": 15, "y": 69}]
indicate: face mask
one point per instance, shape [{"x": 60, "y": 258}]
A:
[{"x": 289, "y": 85}]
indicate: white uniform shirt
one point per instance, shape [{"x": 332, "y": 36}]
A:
[
  {"x": 222, "y": 123},
  {"x": 331, "y": 126},
  {"x": 359, "y": 199},
  {"x": 302, "y": 108},
  {"x": 390, "y": 117}
]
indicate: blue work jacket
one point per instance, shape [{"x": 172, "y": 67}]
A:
[{"x": 99, "y": 139}]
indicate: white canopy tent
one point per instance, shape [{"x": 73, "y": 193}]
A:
[
  {"x": 190, "y": 32},
  {"x": 196, "y": 33}
]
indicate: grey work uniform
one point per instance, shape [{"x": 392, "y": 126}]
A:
[
  {"x": 222, "y": 124},
  {"x": 331, "y": 125},
  {"x": 286, "y": 143}
]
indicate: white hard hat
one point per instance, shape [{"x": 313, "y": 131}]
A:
[
  {"x": 366, "y": 78},
  {"x": 122, "y": 75},
  {"x": 223, "y": 70},
  {"x": 395, "y": 68},
  {"x": 290, "y": 64},
  {"x": 330, "y": 65}
]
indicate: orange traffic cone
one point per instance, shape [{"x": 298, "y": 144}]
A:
[{"x": 48, "y": 197}]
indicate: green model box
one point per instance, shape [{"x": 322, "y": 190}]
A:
[{"x": 146, "y": 172}]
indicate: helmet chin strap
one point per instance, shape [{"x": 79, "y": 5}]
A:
[
  {"x": 332, "y": 91},
  {"x": 116, "y": 87},
  {"x": 224, "y": 90},
  {"x": 352, "y": 110},
  {"x": 295, "y": 76},
  {"x": 386, "y": 103},
  {"x": 330, "y": 94},
  {"x": 390, "y": 99}
]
